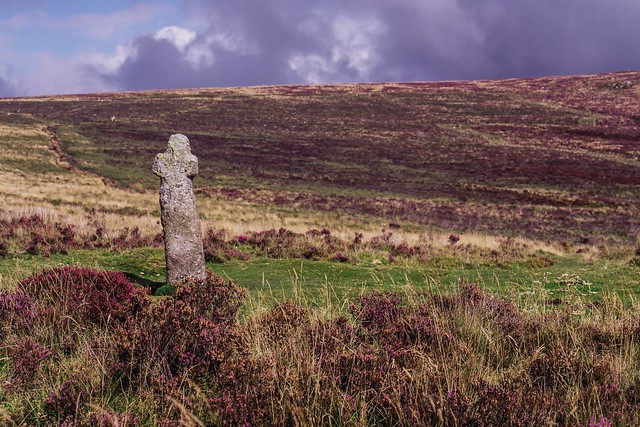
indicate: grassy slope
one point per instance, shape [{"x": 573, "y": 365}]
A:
[{"x": 551, "y": 159}]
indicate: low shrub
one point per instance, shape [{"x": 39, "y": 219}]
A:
[
  {"x": 4, "y": 248},
  {"x": 26, "y": 356},
  {"x": 17, "y": 311},
  {"x": 85, "y": 295},
  {"x": 467, "y": 358},
  {"x": 37, "y": 235},
  {"x": 192, "y": 331}
]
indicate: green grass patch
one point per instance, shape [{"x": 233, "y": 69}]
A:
[{"x": 316, "y": 282}]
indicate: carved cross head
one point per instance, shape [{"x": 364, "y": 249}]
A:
[{"x": 177, "y": 161}]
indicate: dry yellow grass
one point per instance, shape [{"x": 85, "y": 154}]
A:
[{"x": 82, "y": 198}]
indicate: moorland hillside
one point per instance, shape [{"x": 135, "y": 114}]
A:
[
  {"x": 547, "y": 158},
  {"x": 453, "y": 253}
]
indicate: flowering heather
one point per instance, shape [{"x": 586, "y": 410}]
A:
[
  {"x": 86, "y": 295},
  {"x": 236, "y": 254},
  {"x": 17, "y": 310},
  {"x": 283, "y": 319},
  {"x": 357, "y": 238},
  {"x": 37, "y": 235},
  {"x": 340, "y": 257},
  {"x": 4, "y": 249},
  {"x": 26, "y": 356},
  {"x": 214, "y": 245},
  {"x": 192, "y": 331},
  {"x": 559, "y": 164},
  {"x": 62, "y": 405},
  {"x": 375, "y": 310},
  {"x": 395, "y": 153},
  {"x": 109, "y": 418},
  {"x": 602, "y": 422},
  {"x": 466, "y": 358},
  {"x": 323, "y": 245}
]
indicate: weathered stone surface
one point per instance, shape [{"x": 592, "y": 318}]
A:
[{"x": 176, "y": 168}]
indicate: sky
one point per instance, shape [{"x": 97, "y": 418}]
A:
[{"x": 84, "y": 46}]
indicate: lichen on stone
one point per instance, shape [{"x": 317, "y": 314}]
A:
[{"x": 177, "y": 167}]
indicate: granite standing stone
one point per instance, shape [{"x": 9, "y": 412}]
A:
[{"x": 176, "y": 168}]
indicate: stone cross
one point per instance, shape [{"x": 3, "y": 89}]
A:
[{"x": 176, "y": 168}]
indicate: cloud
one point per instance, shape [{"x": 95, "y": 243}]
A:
[
  {"x": 206, "y": 61},
  {"x": 97, "y": 26},
  {"x": 53, "y": 75},
  {"x": 559, "y": 37},
  {"x": 76, "y": 74},
  {"x": 45, "y": 72},
  {"x": 278, "y": 42},
  {"x": 431, "y": 40},
  {"x": 347, "y": 51},
  {"x": 6, "y": 89},
  {"x": 254, "y": 42},
  {"x": 179, "y": 37}
]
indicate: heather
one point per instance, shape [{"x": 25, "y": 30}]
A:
[
  {"x": 320, "y": 261},
  {"x": 87, "y": 347},
  {"x": 321, "y": 244},
  {"x": 454, "y": 253},
  {"x": 37, "y": 234},
  {"x": 548, "y": 158}
]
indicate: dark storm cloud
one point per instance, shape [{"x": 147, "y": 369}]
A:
[
  {"x": 543, "y": 37},
  {"x": 250, "y": 42},
  {"x": 245, "y": 43},
  {"x": 157, "y": 64},
  {"x": 160, "y": 64}
]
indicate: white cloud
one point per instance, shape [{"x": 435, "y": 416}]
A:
[
  {"x": 313, "y": 68},
  {"x": 216, "y": 43},
  {"x": 83, "y": 72},
  {"x": 200, "y": 54},
  {"x": 178, "y": 36},
  {"x": 349, "y": 51},
  {"x": 355, "y": 43},
  {"x": 199, "y": 50},
  {"x": 107, "y": 64},
  {"x": 54, "y": 76},
  {"x": 231, "y": 42}
]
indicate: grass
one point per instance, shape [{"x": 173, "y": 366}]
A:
[
  {"x": 563, "y": 149},
  {"x": 274, "y": 280},
  {"x": 73, "y": 353},
  {"x": 405, "y": 254}
]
